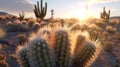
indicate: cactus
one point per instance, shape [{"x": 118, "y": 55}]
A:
[
  {"x": 85, "y": 53},
  {"x": 38, "y": 53},
  {"x": 79, "y": 42},
  {"x": 21, "y": 16},
  {"x": 52, "y": 13},
  {"x": 40, "y": 11},
  {"x": 62, "y": 48},
  {"x": 104, "y": 15},
  {"x": 22, "y": 55}
]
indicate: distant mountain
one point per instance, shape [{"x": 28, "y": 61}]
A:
[
  {"x": 115, "y": 17},
  {"x": 5, "y": 14}
]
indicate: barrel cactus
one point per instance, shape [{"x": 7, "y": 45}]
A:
[{"x": 55, "y": 49}]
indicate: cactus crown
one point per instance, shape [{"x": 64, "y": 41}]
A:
[
  {"x": 104, "y": 14},
  {"x": 40, "y": 11},
  {"x": 38, "y": 52}
]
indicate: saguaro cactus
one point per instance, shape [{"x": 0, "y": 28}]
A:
[
  {"x": 38, "y": 53},
  {"x": 40, "y": 11},
  {"x": 104, "y": 14},
  {"x": 21, "y": 15}
]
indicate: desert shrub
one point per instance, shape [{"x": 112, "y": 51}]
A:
[
  {"x": 21, "y": 39},
  {"x": 100, "y": 23},
  {"x": 16, "y": 27},
  {"x": 8, "y": 23},
  {"x": 117, "y": 35},
  {"x": 111, "y": 29},
  {"x": 31, "y": 22},
  {"x": 2, "y": 61},
  {"x": 108, "y": 46},
  {"x": 2, "y": 18},
  {"x": 36, "y": 27},
  {"x": 2, "y": 33}
]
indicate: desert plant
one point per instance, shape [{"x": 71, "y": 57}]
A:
[
  {"x": 40, "y": 11},
  {"x": 117, "y": 35},
  {"x": 2, "y": 61},
  {"x": 54, "y": 50},
  {"x": 104, "y": 15},
  {"x": 17, "y": 27},
  {"x": 21, "y": 39},
  {"x": 52, "y": 13},
  {"x": 21, "y": 16},
  {"x": 111, "y": 29},
  {"x": 108, "y": 46},
  {"x": 3, "y": 33}
]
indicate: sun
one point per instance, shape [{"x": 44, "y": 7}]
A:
[{"x": 80, "y": 14}]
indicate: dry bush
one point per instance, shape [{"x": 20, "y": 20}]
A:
[
  {"x": 21, "y": 39},
  {"x": 2, "y": 33},
  {"x": 16, "y": 27},
  {"x": 111, "y": 29},
  {"x": 117, "y": 35},
  {"x": 108, "y": 46},
  {"x": 31, "y": 22}
]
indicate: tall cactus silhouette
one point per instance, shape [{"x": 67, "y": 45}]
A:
[
  {"x": 104, "y": 15},
  {"x": 21, "y": 15},
  {"x": 52, "y": 13},
  {"x": 38, "y": 53},
  {"x": 40, "y": 11}
]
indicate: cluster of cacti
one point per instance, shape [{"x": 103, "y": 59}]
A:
[
  {"x": 40, "y": 11},
  {"x": 21, "y": 15},
  {"x": 104, "y": 14},
  {"x": 53, "y": 48},
  {"x": 2, "y": 61}
]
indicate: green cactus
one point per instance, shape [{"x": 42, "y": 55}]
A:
[
  {"x": 62, "y": 48},
  {"x": 40, "y": 11},
  {"x": 38, "y": 52},
  {"x": 80, "y": 40},
  {"x": 85, "y": 53},
  {"x": 21, "y": 15},
  {"x": 22, "y": 56},
  {"x": 104, "y": 15}
]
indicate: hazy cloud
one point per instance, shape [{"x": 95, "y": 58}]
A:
[
  {"x": 15, "y": 6},
  {"x": 101, "y": 1}
]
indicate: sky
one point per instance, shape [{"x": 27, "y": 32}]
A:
[{"x": 63, "y": 8}]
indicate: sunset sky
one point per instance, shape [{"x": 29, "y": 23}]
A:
[{"x": 63, "y": 8}]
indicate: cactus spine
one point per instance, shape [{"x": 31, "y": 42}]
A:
[
  {"x": 39, "y": 54},
  {"x": 104, "y": 15},
  {"x": 62, "y": 48},
  {"x": 40, "y": 11},
  {"x": 85, "y": 53},
  {"x": 23, "y": 57}
]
